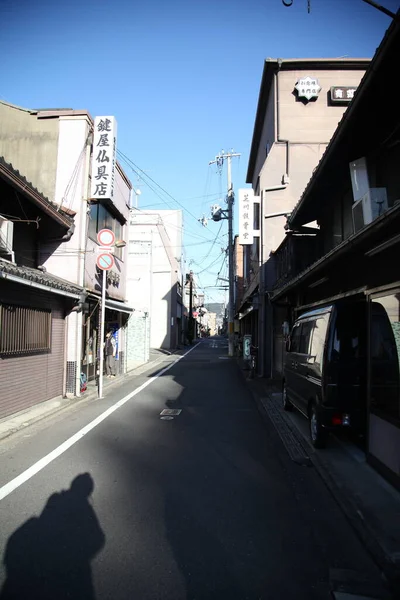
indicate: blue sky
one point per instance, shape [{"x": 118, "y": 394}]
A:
[{"x": 182, "y": 79}]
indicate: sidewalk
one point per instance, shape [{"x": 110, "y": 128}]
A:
[
  {"x": 21, "y": 420},
  {"x": 369, "y": 502}
]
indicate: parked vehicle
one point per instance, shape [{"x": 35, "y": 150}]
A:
[{"x": 325, "y": 369}]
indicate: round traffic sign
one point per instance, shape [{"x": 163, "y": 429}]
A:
[
  {"x": 105, "y": 261},
  {"x": 106, "y": 237}
]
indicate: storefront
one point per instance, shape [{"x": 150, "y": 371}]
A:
[
  {"x": 384, "y": 381},
  {"x": 116, "y": 318}
]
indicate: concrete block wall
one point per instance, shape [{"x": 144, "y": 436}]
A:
[{"x": 137, "y": 340}]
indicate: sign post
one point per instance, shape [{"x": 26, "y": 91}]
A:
[
  {"x": 105, "y": 262},
  {"x": 246, "y": 347}
]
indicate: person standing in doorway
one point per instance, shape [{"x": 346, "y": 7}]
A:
[{"x": 110, "y": 349}]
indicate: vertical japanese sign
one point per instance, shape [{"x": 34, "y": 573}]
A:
[
  {"x": 246, "y": 216},
  {"x": 104, "y": 157}
]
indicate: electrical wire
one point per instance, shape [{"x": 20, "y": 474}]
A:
[
  {"x": 213, "y": 244},
  {"x": 208, "y": 266},
  {"x": 130, "y": 162}
]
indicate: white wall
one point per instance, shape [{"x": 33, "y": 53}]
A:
[
  {"x": 66, "y": 259},
  {"x": 150, "y": 274}
]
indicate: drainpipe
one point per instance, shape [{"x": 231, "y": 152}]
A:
[
  {"x": 83, "y": 227},
  {"x": 285, "y": 178},
  {"x": 65, "y": 358}
]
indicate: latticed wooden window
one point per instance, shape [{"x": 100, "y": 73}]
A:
[{"x": 24, "y": 330}]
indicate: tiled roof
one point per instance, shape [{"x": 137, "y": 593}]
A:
[
  {"x": 36, "y": 276},
  {"x": 29, "y": 187}
]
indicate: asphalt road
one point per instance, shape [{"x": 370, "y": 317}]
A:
[{"x": 207, "y": 505}]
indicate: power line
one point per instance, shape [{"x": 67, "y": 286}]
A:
[
  {"x": 130, "y": 163},
  {"x": 208, "y": 266}
]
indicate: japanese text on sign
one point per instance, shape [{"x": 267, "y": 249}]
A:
[
  {"x": 308, "y": 87},
  {"x": 104, "y": 158},
  {"x": 246, "y": 216},
  {"x": 342, "y": 93}
]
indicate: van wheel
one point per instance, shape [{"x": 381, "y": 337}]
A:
[
  {"x": 287, "y": 405},
  {"x": 317, "y": 432}
]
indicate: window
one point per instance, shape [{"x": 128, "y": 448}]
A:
[
  {"x": 101, "y": 218},
  {"x": 318, "y": 340},
  {"x": 24, "y": 330},
  {"x": 295, "y": 338},
  {"x": 92, "y": 230},
  {"x": 305, "y": 337},
  {"x": 256, "y": 223}
]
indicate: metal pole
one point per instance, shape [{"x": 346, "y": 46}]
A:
[
  {"x": 102, "y": 323},
  {"x": 231, "y": 311},
  {"x": 191, "y": 324}
]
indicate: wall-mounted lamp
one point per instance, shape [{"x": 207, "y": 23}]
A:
[{"x": 120, "y": 243}]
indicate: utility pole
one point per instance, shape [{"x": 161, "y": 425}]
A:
[
  {"x": 191, "y": 319},
  {"x": 230, "y": 199}
]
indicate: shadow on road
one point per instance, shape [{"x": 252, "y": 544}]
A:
[{"x": 49, "y": 556}]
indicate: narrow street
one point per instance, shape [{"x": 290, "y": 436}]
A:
[{"x": 204, "y": 505}]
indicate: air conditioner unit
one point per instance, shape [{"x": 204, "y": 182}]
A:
[
  {"x": 372, "y": 204},
  {"x": 6, "y": 236},
  {"x": 359, "y": 178}
]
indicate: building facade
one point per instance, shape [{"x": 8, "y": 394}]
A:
[
  {"x": 56, "y": 149},
  {"x": 352, "y": 258},
  {"x": 154, "y": 284},
  {"x": 298, "y": 111},
  {"x": 34, "y": 305}
]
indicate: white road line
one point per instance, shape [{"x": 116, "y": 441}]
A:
[{"x": 43, "y": 462}]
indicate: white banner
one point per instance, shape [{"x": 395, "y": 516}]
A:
[
  {"x": 246, "y": 216},
  {"x": 104, "y": 158}
]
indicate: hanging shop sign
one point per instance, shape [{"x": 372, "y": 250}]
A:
[
  {"x": 247, "y": 347},
  {"x": 308, "y": 87},
  {"x": 104, "y": 158},
  {"x": 246, "y": 216},
  {"x": 342, "y": 93}
]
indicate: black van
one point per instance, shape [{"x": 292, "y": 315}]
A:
[{"x": 325, "y": 369}]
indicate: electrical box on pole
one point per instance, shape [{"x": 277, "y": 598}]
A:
[{"x": 228, "y": 214}]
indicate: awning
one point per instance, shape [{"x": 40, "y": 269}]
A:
[
  {"x": 248, "y": 310},
  {"x": 119, "y": 306},
  {"x": 113, "y": 304}
]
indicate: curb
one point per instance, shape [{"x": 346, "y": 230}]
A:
[
  {"x": 389, "y": 569},
  {"x": 23, "y": 420}
]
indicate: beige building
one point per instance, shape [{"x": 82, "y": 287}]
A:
[
  {"x": 54, "y": 150},
  {"x": 300, "y": 104}
]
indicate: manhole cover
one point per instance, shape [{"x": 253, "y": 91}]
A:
[
  {"x": 167, "y": 418},
  {"x": 171, "y": 411}
]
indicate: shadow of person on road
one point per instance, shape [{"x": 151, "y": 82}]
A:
[{"x": 49, "y": 556}]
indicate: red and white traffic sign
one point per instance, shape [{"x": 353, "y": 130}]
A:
[
  {"x": 106, "y": 237},
  {"x": 105, "y": 261}
]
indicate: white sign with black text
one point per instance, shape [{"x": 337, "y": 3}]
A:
[
  {"x": 308, "y": 87},
  {"x": 246, "y": 216},
  {"x": 104, "y": 158}
]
